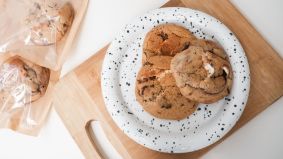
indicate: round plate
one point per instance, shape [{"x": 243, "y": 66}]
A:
[{"x": 204, "y": 127}]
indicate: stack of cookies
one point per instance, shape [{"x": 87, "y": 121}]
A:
[{"x": 179, "y": 71}]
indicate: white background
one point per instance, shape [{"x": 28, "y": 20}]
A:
[{"x": 260, "y": 138}]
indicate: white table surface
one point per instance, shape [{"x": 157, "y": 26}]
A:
[{"x": 261, "y": 138}]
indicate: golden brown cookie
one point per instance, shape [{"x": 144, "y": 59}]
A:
[
  {"x": 16, "y": 72},
  {"x": 159, "y": 62},
  {"x": 157, "y": 92},
  {"x": 202, "y": 76},
  {"x": 49, "y": 22},
  {"x": 166, "y": 40}
]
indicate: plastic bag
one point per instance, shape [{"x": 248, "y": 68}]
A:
[
  {"x": 25, "y": 94},
  {"x": 40, "y": 30},
  {"x": 33, "y": 47}
]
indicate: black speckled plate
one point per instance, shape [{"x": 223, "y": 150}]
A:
[{"x": 209, "y": 123}]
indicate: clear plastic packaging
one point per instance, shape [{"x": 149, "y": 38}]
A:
[
  {"x": 39, "y": 30},
  {"x": 25, "y": 94},
  {"x": 36, "y": 36}
]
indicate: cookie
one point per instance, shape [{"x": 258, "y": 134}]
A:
[
  {"x": 159, "y": 62},
  {"x": 210, "y": 46},
  {"x": 49, "y": 23},
  {"x": 202, "y": 76},
  {"x": 66, "y": 16},
  {"x": 17, "y": 72},
  {"x": 166, "y": 40},
  {"x": 158, "y": 94}
]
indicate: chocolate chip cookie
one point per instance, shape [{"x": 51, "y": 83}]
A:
[
  {"x": 166, "y": 40},
  {"x": 202, "y": 72},
  {"x": 49, "y": 22},
  {"x": 159, "y": 62},
  {"x": 17, "y": 72},
  {"x": 157, "y": 92}
]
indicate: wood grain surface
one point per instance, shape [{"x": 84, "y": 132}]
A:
[{"x": 79, "y": 100}]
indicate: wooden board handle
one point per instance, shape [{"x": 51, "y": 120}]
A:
[
  {"x": 80, "y": 123},
  {"x": 103, "y": 137}
]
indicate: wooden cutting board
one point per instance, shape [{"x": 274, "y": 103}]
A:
[{"x": 78, "y": 97}]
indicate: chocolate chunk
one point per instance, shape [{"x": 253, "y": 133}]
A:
[
  {"x": 166, "y": 106},
  {"x": 163, "y": 35}
]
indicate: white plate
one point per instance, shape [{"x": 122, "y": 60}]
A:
[{"x": 209, "y": 123}]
